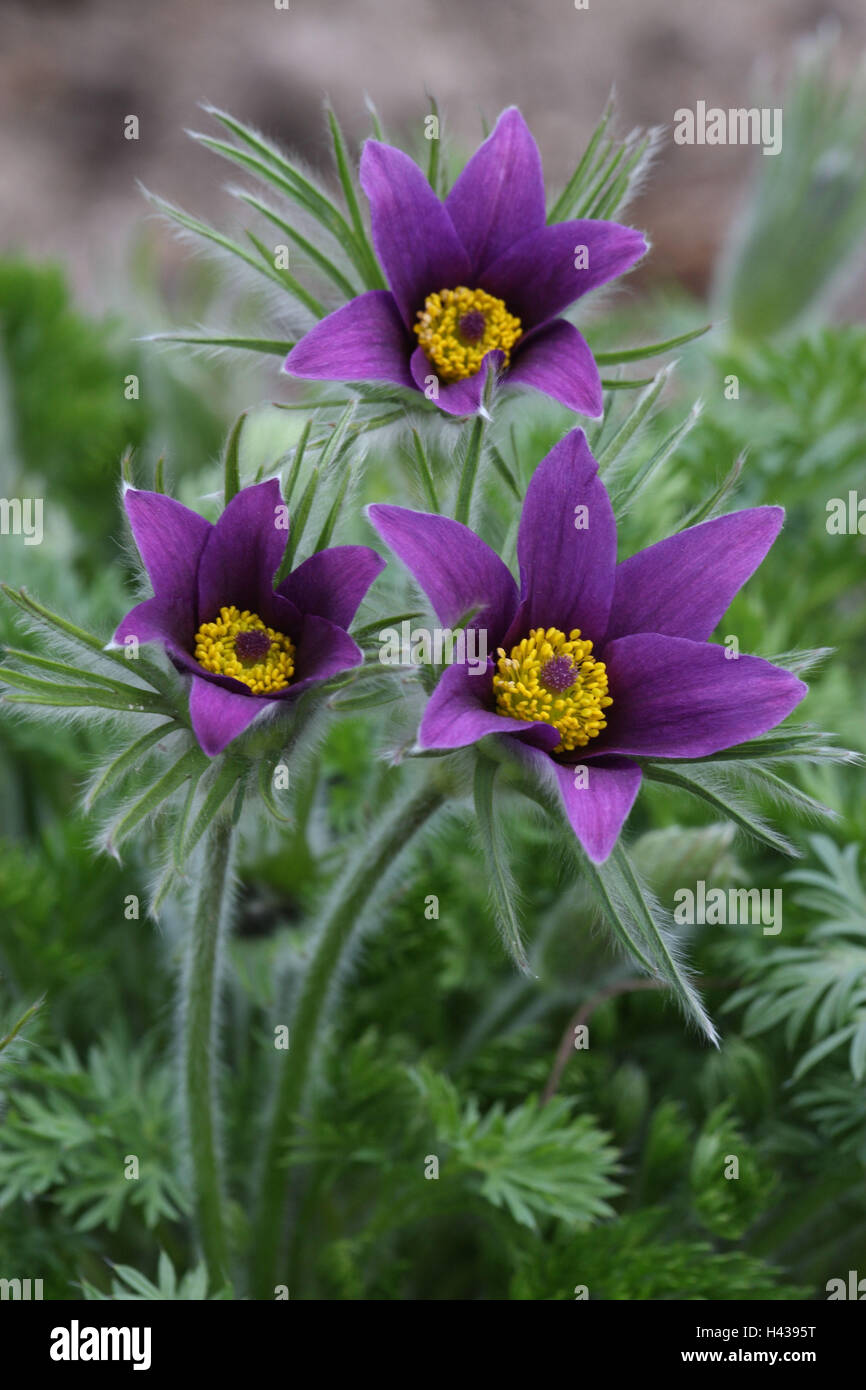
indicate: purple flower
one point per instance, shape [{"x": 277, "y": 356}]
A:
[
  {"x": 598, "y": 663},
  {"x": 247, "y": 646},
  {"x": 475, "y": 281}
]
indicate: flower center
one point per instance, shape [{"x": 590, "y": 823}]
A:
[
  {"x": 457, "y": 327},
  {"x": 553, "y": 678},
  {"x": 240, "y": 645}
]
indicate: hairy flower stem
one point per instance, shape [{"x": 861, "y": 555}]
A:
[
  {"x": 199, "y": 997},
  {"x": 470, "y": 471},
  {"x": 351, "y": 895}
]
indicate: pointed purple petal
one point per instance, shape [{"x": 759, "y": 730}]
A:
[
  {"x": 170, "y": 540},
  {"x": 499, "y": 197},
  {"x": 455, "y": 397},
  {"x": 683, "y": 585},
  {"x": 413, "y": 235},
  {"x": 168, "y": 621},
  {"x": 598, "y": 805},
  {"x": 556, "y": 360},
  {"x": 459, "y": 713},
  {"x": 537, "y": 277},
  {"x": 453, "y": 566},
  {"x": 243, "y": 552},
  {"x": 566, "y": 545},
  {"x": 598, "y": 810},
  {"x": 218, "y": 715},
  {"x": 675, "y": 698},
  {"x": 332, "y": 583},
  {"x": 366, "y": 340}
]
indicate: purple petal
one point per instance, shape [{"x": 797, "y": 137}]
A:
[
  {"x": 458, "y": 713},
  {"x": 170, "y": 540},
  {"x": 243, "y": 553},
  {"x": 556, "y": 360},
  {"x": 333, "y": 582},
  {"x": 159, "y": 620},
  {"x": 413, "y": 235},
  {"x": 323, "y": 650},
  {"x": 453, "y": 566},
  {"x": 366, "y": 340},
  {"x": 683, "y": 585},
  {"x": 218, "y": 715},
  {"x": 538, "y": 278},
  {"x": 499, "y": 197},
  {"x": 566, "y": 545},
  {"x": 675, "y": 698},
  {"x": 455, "y": 397},
  {"x": 598, "y": 804}
]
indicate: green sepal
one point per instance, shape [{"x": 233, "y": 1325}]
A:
[
  {"x": 231, "y": 466},
  {"x": 125, "y": 761},
  {"x": 374, "y": 279},
  {"x": 471, "y": 460},
  {"x": 634, "y": 421},
  {"x": 191, "y": 763},
  {"x": 228, "y": 774},
  {"x": 317, "y": 257},
  {"x": 621, "y": 355},
  {"x": 722, "y": 800},
  {"x": 272, "y": 347}
]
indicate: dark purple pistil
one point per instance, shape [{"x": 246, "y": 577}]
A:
[
  {"x": 472, "y": 326},
  {"x": 558, "y": 674},
  {"x": 252, "y": 645}
]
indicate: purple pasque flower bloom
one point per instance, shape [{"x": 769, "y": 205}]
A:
[
  {"x": 247, "y": 646},
  {"x": 599, "y": 663},
  {"x": 479, "y": 279}
]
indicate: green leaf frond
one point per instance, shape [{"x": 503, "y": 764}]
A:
[
  {"x": 822, "y": 980},
  {"x": 129, "y": 1285},
  {"x": 67, "y": 1120}
]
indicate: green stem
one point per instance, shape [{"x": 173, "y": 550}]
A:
[
  {"x": 350, "y": 896},
  {"x": 200, "y": 988},
  {"x": 470, "y": 470}
]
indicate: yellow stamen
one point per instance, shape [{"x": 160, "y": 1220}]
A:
[
  {"x": 263, "y": 669},
  {"x": 553, "y": 678},
  {"x": 457, "y": 327}
]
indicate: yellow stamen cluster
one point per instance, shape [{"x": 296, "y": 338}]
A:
[
  {"x": 457, "y": 327},
  {"x": 263, "y": 670},
  {"x": 535, "y": 682}
]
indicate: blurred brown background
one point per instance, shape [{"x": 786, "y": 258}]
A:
[{"x": 71, "y": 70}]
